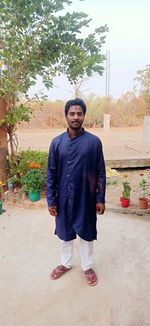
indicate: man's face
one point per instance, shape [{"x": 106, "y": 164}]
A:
[{"x": 75, "y": 117}]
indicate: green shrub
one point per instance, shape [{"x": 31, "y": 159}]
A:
[
  {"x": 21, "y": 165},
  {"x": 24, "y": 158},
  {"x": 33, "y": 180},
  {"x": 126, "y": 189}
]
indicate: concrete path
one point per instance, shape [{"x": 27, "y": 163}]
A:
[{"x": 29, "y": 251}]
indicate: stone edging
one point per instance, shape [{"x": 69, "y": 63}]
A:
[
  {"x": 129, "y": 210},
  {"x": 24, "y": 202}
]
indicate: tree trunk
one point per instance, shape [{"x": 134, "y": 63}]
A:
[
  {"x": 12, "y": 152},
  {"x": 3, "y": 144}
]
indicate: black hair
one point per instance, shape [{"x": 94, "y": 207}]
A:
[{"x": 76, "y": 101}]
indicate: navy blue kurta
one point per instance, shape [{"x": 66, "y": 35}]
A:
[{"x": 76, "y": 181}]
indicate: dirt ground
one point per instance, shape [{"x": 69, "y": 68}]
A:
[{"x": 117, "y": 143}]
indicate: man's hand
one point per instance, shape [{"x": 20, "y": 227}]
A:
[
  {"x": 100, "y": 208},
  {"x": 53, "y": 210}
]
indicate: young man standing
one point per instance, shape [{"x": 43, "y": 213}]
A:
[{"x": 76, "y": 182}]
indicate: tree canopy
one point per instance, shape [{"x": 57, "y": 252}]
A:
[
  {"x": 143, "y": 78},
  {"x": 41, "y": 38},
  {"x": 36, "y": 40}
]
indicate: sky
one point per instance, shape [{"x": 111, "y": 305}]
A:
[{"x": 128, "y": 42}]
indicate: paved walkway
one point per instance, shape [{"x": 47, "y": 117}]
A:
[{"x": 29, "y": 250}]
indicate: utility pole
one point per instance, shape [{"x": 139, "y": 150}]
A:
[
  {"x": 146, "y": 129},
  {"x": 107, "y": 86},
  {"x": 107, "y": 93}
]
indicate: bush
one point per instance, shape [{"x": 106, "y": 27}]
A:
[
  {"x": 26, "y": 160},
  {"x": 33, "y": 180}
]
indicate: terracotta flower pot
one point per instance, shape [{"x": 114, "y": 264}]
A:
[
  {"x": 143, "y": 203},
  {"x": 124, "y": 202}
]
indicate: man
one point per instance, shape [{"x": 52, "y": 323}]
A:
[{"x": 76, "y": 183}]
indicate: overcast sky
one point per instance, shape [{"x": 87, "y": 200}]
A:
[{"x": 128, "y": 40}]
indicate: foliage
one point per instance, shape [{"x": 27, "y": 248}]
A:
[
  {"x": 110, "y": 182},
  {"x": 95, "y": 110},
  {"x": 36, "y": 40},
  {"x": 33, "y": 180},
  {"x": 126, "y": 111},
  {"x": 111, "y": 172},
  {"x": 16, "y": 115},
  {"x": 143, "y": 185},
  {"x": 13, "y": 182},
  {"x": 1, "y": 190},
  {"x": 22, "y": 164},
  {"x": 126, "y": 188},
  {"x": 143, "y": 78},
  {"x": 111, "y": 176}
]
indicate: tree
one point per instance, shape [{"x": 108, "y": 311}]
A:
[
  {"x": 3, "y": 143},
  {"x": 36, "y": 40},
  {"x": 143, "y": 77}
]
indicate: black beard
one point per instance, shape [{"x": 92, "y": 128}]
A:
[{"x": 74, "y": 127}]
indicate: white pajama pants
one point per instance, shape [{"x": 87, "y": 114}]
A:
[{"x": 86, "y": 253}]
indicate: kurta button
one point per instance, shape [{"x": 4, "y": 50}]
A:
[
  {"x": 68, "y": 162},
  {"x": 68, "y": 175}
]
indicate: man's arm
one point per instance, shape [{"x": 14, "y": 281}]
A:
[
  {"x": 100, "y": 208},
  {"x": 101, "y": 187},
  {"x": 53, "y": 210},
  {"x": 52, "y": 180}
]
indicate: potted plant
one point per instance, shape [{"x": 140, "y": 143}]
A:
[
  {"x": 1, "y": 203},
  {"x": 13, "y": 182},
  {"x": 143, "y": 200},
  {"x": 125, "y": 198},
  {"x": 32, "y": 183}
]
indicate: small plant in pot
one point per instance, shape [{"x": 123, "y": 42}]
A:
[
  {"x": 32, "y": 183},
  {"x": 1, "y": 203},
  {"x": 143, "y": 200},
  {"x": 125, "y": 198}
]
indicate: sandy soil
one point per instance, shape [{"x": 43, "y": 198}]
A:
[{"x": 118, "y": 143}]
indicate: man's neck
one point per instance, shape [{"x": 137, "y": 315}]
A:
[{"x": 74, "y": 133}]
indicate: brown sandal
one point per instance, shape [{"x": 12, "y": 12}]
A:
[
  {"x": 58, "y": 272},
  {"x": 91, "y": 277}
]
